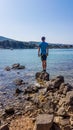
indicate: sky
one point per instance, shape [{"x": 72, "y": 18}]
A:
[{"x": 29, "y": 20}]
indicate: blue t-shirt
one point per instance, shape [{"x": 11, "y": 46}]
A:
[{"x": 43, "y": 46}]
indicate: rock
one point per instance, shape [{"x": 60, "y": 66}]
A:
[
  {"x": 18, "y": 81},
  {"x": 7, "y": 68},
  {"x": 69, "y": 98},
  {"x": 18, "y": 91},
  {"x": 57, "y": 119},
  {"x": 64, "y": 88},
  {"x": 44, "y": 122},
  {"x": 62, "y": 112},
  {"x": 64, "y": 122},
  {"x": 15, "y": 66},
  {"x": 21, "y": 67},
  {"x": 68, "y": 127},
  {"x": 4, "y": 127},
  {"x": 18, "y": 66},
  {"x": 9, "y": 111},
  {"x": 57, "y": 81},
  {"x": 31, "y": 89},
  {"x": 42, "y": 76},
  {"x": 55, "y": 127}
]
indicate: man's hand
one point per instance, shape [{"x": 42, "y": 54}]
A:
[{"x": 46, "y": 54}]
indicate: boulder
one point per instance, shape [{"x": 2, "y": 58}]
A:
[
  {"x": 31, "y": 89},
  {"x": 67, "y": 127},
  {"x": 62, "y": 112},
  {"x": 15, "y": 66},
  {"x": 18, "y": 81},
  {"x": 44, "y": 122},
  {"x": 69, "y": 98},
  {"x": 64, "y": 88},
  {"x": 4, "y": 127},
  {"x": 7, "y": 68},
  {"x": 18, "y": 91},
  {"x": 9, "y": 111},
  {"x": 18, "y": 66},
  {"x": 55, "y": 127},
  {"x": 57, "y": 81},
  {"x": 42, "y": 76}
]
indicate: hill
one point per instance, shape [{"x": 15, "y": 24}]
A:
[{"x": 7, "y": 43}]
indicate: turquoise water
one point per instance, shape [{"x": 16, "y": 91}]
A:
[{"x": 59, "y": 62}]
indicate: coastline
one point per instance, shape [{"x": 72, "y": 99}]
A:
[{"x": 29, "y": 100}]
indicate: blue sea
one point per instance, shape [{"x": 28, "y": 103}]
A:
[{"x": 59, "y": 62}]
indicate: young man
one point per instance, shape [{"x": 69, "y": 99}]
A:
[{"x": 43, "y": 52}]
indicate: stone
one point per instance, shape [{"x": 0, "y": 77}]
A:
[
  {"x": 64, "y": 88},
  {"x": 68, "y": 127},
  {"x": 4, "y": 127},
  {"x": 55, "y": 127},
  {"x": 18, "y": 91},
  {"x": 42, "y": 76},
  {"x": 9, "y": 111},
  {"x": 15, "y": 66},
  {"x": 69, "y": 98},
  {"x": 7, "y": 68},
  {"x": 44, "y": 122},
  {"x": 18, "y": 81},
  {"x": 31, "y": 90},
  {"x": 21, "y": 67},
  {"x": 57, "y": 81},
  {"x": 64, "y": 122},
  {"x": 18, "y": 66},
  {"x": 61, "y": 111}
]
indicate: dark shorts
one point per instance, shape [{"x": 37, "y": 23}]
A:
[{"x": 43, "y": 57}]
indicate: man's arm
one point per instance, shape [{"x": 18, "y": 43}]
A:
[
  {"x": 38, "y": 51},
  {"x": 47, "y": 50}
]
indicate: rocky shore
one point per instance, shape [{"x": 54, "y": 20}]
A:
[{"x": 51, "y": 99}]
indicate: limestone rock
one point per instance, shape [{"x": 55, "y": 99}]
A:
[
  {"x": 61, "y": 111},
  {"x": 44, "y": 122},
  {"x": 7, "y": 68},
  {"x": 57, "y": 81},
  {"x": 42, "y": 76},
  {"x": 4, "y": 127},
  {"x": 17, "y": 66},
  {"x": 9, "y": 111},
  {"x": 18, "y": 81},
  {"x": 18, "y": 91},
  {"x": 69, "y": 98}
]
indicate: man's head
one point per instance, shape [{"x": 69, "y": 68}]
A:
[{"x": 43, "y": 39}]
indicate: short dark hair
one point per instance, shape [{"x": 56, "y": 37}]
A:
[{"x": 43, "y": 38}]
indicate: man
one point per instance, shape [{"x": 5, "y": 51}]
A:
[{"x": 43, "y": 52}]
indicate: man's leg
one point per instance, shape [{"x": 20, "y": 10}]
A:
[{"x": 44, "y": 65}]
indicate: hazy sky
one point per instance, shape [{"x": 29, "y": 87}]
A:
[{"x": 28, "y": 20}]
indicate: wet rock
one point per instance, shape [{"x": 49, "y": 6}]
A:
[
  {"x": 44, "y": 122},
  {"x": 64, "y": 122},
  {"x": 18, "y": 81},
  {"x": 7, "y": 68},
  {"x": 15, "y": 66},
  {"x": 9, "y": 111},
  {"x": 64, "y": 88},
  {"x": 18, "y": 66},
  {"x": 42, "y": 76},
  {"x": 55, "y": 127},
  {"x": 62, "y": 112},
  {"x": 18, "y": 91},
  {"x": 31, "y": 89},
  {"x": 69, "y": 98},
  {"x": 68, "y": 127},
  {"x": 4, "y": 127},
  {"x": 57, "y": 81}
]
